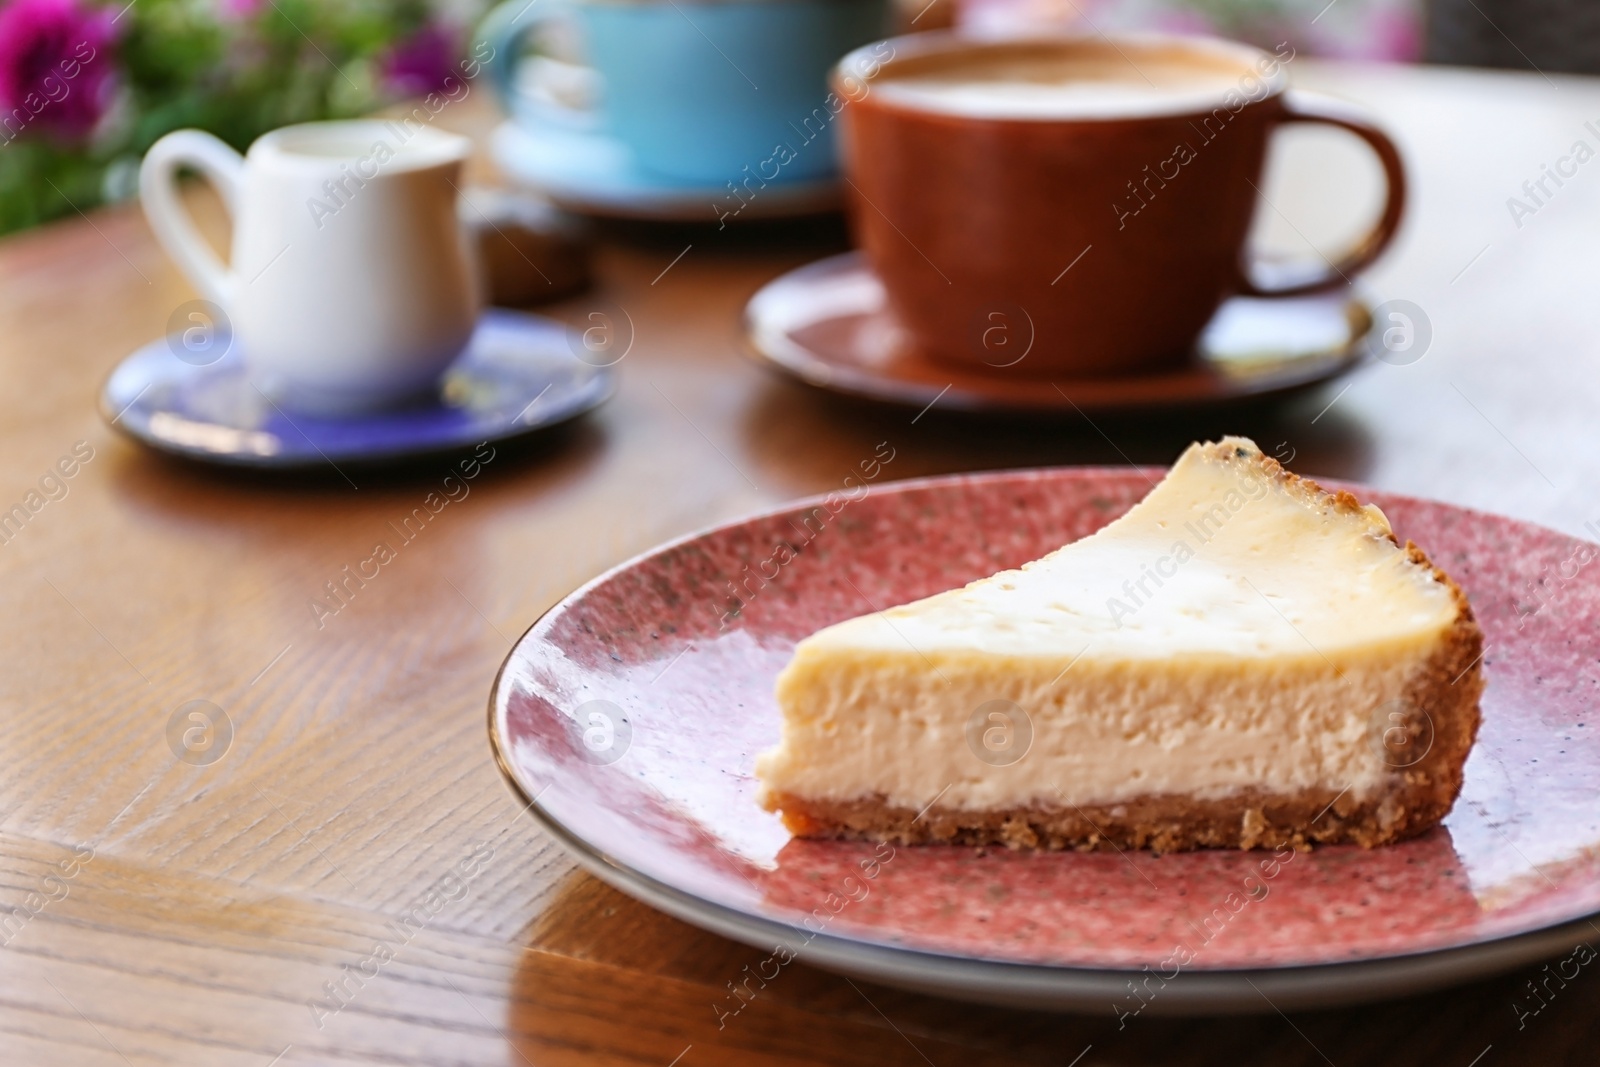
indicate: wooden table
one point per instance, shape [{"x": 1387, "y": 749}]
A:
[{"x": 194, "y": 914}]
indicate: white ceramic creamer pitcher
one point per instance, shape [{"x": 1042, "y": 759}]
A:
[{"x": 350, "y": 284}]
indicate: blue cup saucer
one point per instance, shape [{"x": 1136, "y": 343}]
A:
[
  {"x": 519, "y": 374},
  {"x": 594, "y": 173}
]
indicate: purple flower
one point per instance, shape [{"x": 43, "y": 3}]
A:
[
  {"x": 422, "y": 63},
  {"x": 56, "y": 70}
]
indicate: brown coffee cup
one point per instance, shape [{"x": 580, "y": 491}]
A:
[{"x": 1075, "y": 206}]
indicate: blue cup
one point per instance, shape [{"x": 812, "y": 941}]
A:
[{"x": 695, "y": 90}]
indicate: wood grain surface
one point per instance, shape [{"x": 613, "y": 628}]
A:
[{"x": 351, "y": 883}]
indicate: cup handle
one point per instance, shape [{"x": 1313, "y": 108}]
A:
[
  {"x": 1294, "y": 281},
  {"x": 173, "y": 226},
  {"x": 504, "y": 30}
]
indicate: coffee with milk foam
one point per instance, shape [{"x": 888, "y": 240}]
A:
[{"x": 1067, "y": 82}]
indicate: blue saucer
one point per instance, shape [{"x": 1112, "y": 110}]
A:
[
  {"x": 519, "y": 374},
  {"x": 594, "y": 174}
]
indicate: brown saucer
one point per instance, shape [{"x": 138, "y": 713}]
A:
[{"x": 827, "y": 323}]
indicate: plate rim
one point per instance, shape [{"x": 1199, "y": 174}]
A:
[
  {"x": 871, "y": 387},
  {"x": 604, "y": 389},
  {"x": 1024, "y": 984},
  {"x": 683, "y": 203},
  {"x": 1062, "y": 988}
]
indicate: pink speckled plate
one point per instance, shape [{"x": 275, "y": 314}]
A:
[{"x": 629, "y": 717}]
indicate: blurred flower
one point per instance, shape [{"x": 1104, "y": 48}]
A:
[
  {"x": 421, "y": 63},
  {"x": 86, "y": 86},
  {"x": 238, "y": 10},
  {"x": 56, "y": 67},
  {"x": 1182, "y": 20},
  {"x": 1395, "y": 36}
]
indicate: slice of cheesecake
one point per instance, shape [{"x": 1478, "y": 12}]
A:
[{"x": 1242, "y": 660}]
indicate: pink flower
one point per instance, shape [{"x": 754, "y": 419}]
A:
[
  {"x": 56, "y": 71},
  {"x": 1395, "y": 36},
  {"x": 421, "y": 63}
]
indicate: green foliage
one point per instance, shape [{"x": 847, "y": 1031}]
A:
[{"x": 40, "y": 181}]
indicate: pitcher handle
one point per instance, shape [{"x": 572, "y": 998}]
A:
[{"x": 173, "y": 225}]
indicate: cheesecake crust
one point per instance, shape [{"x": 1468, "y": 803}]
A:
[{"x": 1437, "y": 712}]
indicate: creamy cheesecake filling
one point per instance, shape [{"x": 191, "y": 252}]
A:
[
  {"x": 877, "y": 725},
  {"x": 1234, "y": 631}
]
